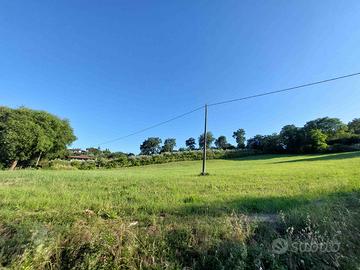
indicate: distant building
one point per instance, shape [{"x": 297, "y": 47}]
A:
[
  {"x": 80, "y": 157},
  {"x": 77, "y": 151}
]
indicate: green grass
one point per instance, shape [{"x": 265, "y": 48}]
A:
[{"x": 171, "y": 203}]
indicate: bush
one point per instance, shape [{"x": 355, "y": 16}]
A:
[
  {"x": 346, "y": 140},
  {"x": 141, "y": 160},
  {"x": 343, "y": 148}
]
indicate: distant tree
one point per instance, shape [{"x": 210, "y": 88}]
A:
[
  {"x": 209, "y": 140},
  {"x": 267, "y": 143},
  {"x": 256, "y": 143},
  {"x": 190, "y": 143},
  {"x": 221, "y": 143},
  {"x": 169, "y": 145},
  {"x": 272, "y": 144},
  {"x": 329, "y": 126},
  {"x": 150, "y": 146},
  {"x": 292, "y": 138},
  {"x": 27, "y": 135},
  {"x": 92, "y": 151},
  {"x": 318, "y": 140},
  {"x": 116, "y": 155},
  {"x": 354, "y": 126},
  {"x": 239, "y": 136}
]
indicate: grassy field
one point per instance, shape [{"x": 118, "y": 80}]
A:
[{"x": 168, "y": 217}]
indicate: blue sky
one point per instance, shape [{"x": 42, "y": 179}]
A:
[{"x": 113, "y": 67}]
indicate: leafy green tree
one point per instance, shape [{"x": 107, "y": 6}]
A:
[
  {"x": 256, "y": 143},
  {"x": 209, "y": 140},
  {"x": 150, "y": 146},
  {"x": 190, "y": 143},
  {"x": 329, "y": 126},
  {"x": 221, "y": 143},
  {"x": 292, "y": 138},
  {"x": 267, "y": 144},
  {"x": 318, "y": 140},
  {"x": 239, "y": 136},
  {"x": 27, "y": 134},
  {"x": 272, "y": 144},
  {"x": 57, "y": 135},
  {"x": 354, "y": 126},
  {"x": 169, "y": 145}
]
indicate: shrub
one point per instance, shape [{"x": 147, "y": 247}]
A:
[
  {"x": 141, "y": 160},
  {"x": 346, "y": 140}
]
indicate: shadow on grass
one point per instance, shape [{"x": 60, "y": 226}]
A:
[
  {"x": 325, "y": 157},
  {"x": 258, "y": 205},
  {"x": 262, "y": 157}
]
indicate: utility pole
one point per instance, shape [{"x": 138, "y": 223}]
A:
[{"x": 205, "y": 141}]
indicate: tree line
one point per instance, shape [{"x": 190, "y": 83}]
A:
[
  {"x": 26, "y": 136},
  {"x": 315, "y": 136}
]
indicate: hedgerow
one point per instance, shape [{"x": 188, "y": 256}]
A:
[{"x": 141, "y": 160}]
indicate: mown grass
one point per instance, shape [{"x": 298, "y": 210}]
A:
[{"x": 168, "y": 217}]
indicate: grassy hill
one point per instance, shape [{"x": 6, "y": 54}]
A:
[{"x": 168, "y": 217}]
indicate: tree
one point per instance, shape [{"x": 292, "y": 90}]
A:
[
  {"x": 58, "y": 134},
  {"x": 256, "y": 143},
  {"x": 209, "y": 140},
  {"x": 239, "y": 136},
  {"x": 221, "y": 143},
  {"x": 329, "y": 126},
  {"x": 190, "y": 143},
  {"x": 169, "y": 145},
  {"x": 27, "y": 135},
  {"x": 354, "y": 126},
  {"x": 150, "y": 146},
  {"x": 318, "y": 140},
  {"x": 292, "y": 138},
  {"x": 272, "y": 144},
  {"x": 267, "y": 143}
]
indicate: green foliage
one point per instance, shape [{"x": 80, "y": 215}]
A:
[
  {"x": 256, "y": 143},
  {"x": 354, "y": 126},
  {"x": 209, "y": 140},
  {"x": 239, "y": 136},
  {"x": 169, "y": 145},
  {"x": 130, "y": 161},
  {"x": 150, "y": 146},
  {"x": 314, "y": 137},
  {"x": 318, "y": 140},
  {"x": 221, "y": 143},
  {"x": 292, "y": 138},
  {"x": 267, "y": 144},
  {"x": 190, "y": 143},
  {"x": 329, "y": 126},
  {"x": 347, "y": 139},
  {"x": 26, "y": 134}
]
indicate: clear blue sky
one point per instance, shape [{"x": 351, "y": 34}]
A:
[{"x": 113, "y": 67}]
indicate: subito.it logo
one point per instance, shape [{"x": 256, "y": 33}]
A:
[{"x": 280, "y": 246}]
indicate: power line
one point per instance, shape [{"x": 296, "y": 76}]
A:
[
  {"x": 285, "y": 89},
  {"x": 153, "y": 126},
  {"x": 233, "y": 100}
]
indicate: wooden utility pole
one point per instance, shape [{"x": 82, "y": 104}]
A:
[{"x": 205, "y": 141}]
